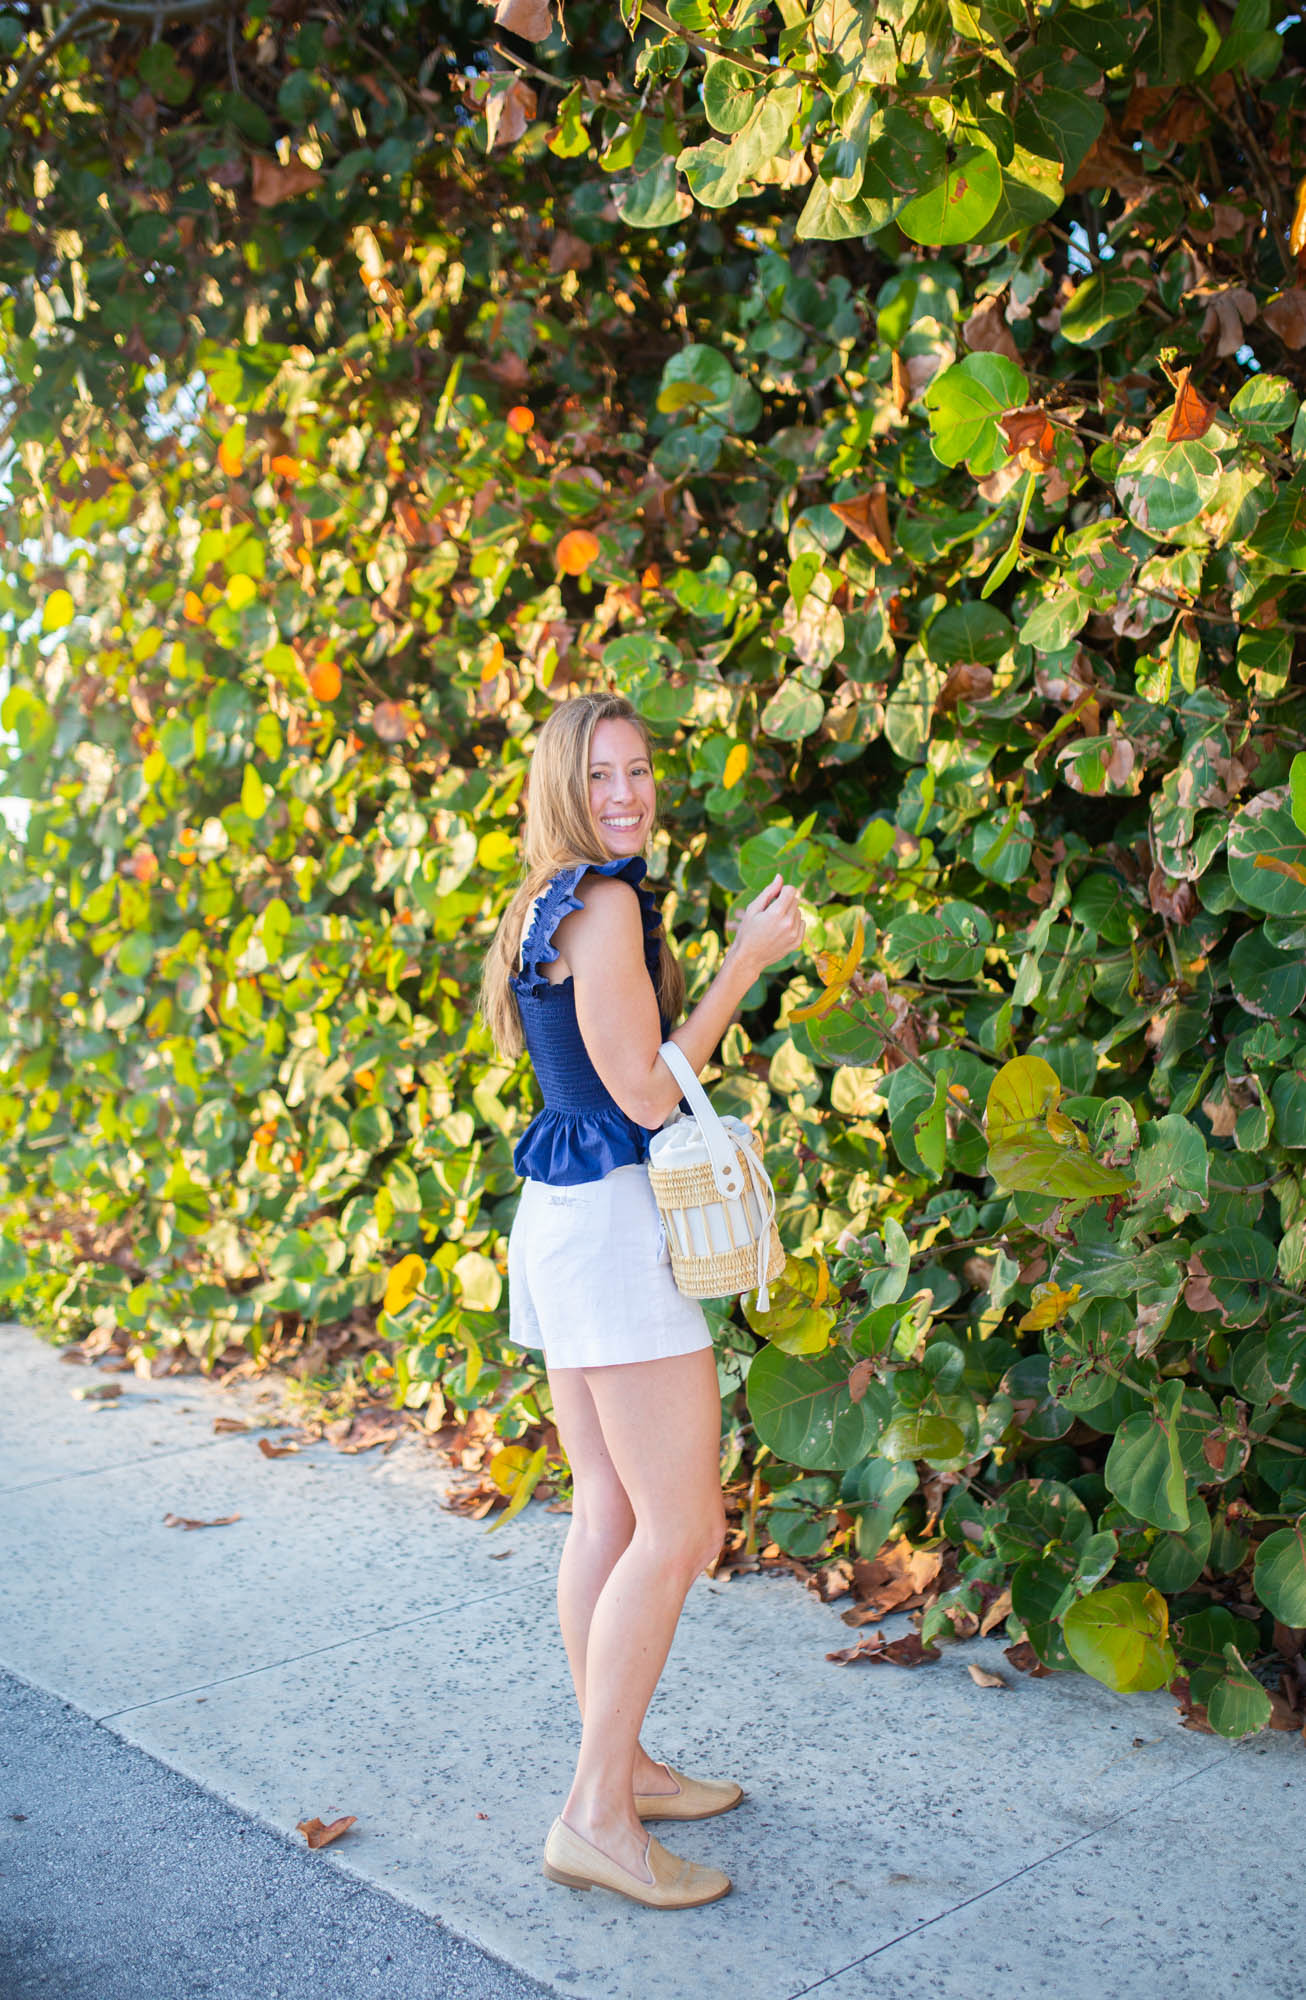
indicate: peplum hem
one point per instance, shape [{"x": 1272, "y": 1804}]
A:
[{"x": 565, "y": 1148}]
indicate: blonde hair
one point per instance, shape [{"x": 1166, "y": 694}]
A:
[{"x": 559, "y": 832}]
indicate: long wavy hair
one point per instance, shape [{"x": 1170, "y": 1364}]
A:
[{"x": 560, "y": 831}]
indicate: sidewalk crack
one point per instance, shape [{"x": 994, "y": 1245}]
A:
[
  {"x": 1067, "y": 1847},
  {"x": 312, "y": 1653}
]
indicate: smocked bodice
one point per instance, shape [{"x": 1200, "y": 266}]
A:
[{"x": 582, "y": 1133}]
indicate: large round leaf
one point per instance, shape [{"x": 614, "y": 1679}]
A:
[
  {"x": 1121, "y": 1636},
  {"x": 959, "y": 204},
  {"x": 1164, "y": 486},
  {"x": 803, "y": 1412},
  {"x": 1280, "y": 1573},
  {"x": 1267, "y": 856}
]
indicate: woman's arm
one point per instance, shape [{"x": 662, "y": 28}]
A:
[{"x": 602, "y": 944}]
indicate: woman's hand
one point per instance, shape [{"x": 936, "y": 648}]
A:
[{"x": 771, "y": 927}]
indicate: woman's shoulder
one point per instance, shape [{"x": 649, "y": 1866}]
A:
[{"x": 581, "y": 885}]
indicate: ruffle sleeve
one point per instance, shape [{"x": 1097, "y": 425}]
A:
[{"x": 559, "y": 899}]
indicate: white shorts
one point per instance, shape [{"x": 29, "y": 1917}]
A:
[{"x": 589, "y": 1276}]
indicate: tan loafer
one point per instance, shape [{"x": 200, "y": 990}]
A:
[
  {"x": 695, "y": 1798},
  {"x": 676, "y": 1884}
]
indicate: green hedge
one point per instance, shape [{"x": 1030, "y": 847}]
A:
[{"x": 920, "y": 391}]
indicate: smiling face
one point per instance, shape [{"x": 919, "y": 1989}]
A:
[{"x": 623, "y": 798}]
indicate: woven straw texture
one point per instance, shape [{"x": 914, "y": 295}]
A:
[{"x": 725, "y": 1272}]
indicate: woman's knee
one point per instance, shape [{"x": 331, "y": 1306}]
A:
[
  {"x": 602, "y": 1516},
  {"x": 686, "y": 1545}
]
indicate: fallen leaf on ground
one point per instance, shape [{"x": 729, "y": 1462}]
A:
[
  {"x": 317, "y": 1834},
  {"x": 97, "y": 1392},
  {"x": 983, "y": 1680},
  {"x": 230, "y": 1424},
  {"x": 180, "y": 1521},
  {"x": 276, "y": 1450},
  {"x": 500, "y": 1555},
  {"x": 895, "y": 1580},
  {"x": 369, "y": 1428},
  {"x": 877, "y": 1650},
  {"x": 1023, "y": 1656}
]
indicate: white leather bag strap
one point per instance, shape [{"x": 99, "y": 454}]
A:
[{"x": 721, "y": 1150}]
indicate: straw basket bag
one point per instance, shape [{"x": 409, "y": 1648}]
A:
[{"x": 715, "y": 1198}]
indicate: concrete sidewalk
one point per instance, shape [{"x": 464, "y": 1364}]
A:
[{"x": 349, "y": 1647}]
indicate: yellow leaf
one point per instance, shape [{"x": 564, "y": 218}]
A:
[
  {"x": 850, "y": 964},
  {"x": 475, "y": 1363},
  {"x": 816, "y": 1010},
  {"x": 525, "y": 1486},
  {"x": 1047, "y": 1303},
  {"x": 59, "y": 611},
  {"x": 404, "y": 1283},
  {"x": 493, "y": 661},
  {"x": 240, "y": 591},
  {"x": 822, "y": 1291},
  {"x": 736, "y": 764},
  {"x": 507, "y": 1466},
  {"x": 1022, "y": 1094},
  {"x": 231, "y": 452}
]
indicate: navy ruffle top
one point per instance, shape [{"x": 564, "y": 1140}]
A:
[{"x": 582, "y": 1133}]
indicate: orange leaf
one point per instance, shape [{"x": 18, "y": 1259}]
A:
[
  {"x": 284, "y": 467},
  {"x": 520, "y": 419},
  {"x": 576, "y": 551},
  {"x": 1192, "y": 415},
  {"x": 1297, "y": 234},
  {"x": 324, "y": 679},
  {"x": 1031, "y": 438},
  {"x": 493, "y": 661},
  {"x": 192, "y": 609},
  {"x": 867, "y": 517},
  {"x": 317, "y": 1834},
  {"x": 180, "y": 1521},
  {"x": 231, "y": 452},
  {"x": 1292, "y": 869}
]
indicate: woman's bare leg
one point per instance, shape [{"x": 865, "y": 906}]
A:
[
  {"x": 602, "y": 1523},
  {"x": 661, "y": 1425}
]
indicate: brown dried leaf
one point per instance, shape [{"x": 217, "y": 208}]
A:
[
  {"x": 508, "y": 113},
  {"x": 982, "y": 1679},
  {"x": 569, "y": 253},
  {"x": 277, "y": 1450},
  {"x": 901, "y": 383},
  {"x": 531, "y": 19},
  {"x": 876, "y": 1650},
  {"x": 997, "y": 1611},
  {"x": 273, "y": 183},
  {"x": 860, "y": 1378},
  {"x": 1026, "y": 1660},
  {"x": 318, "y": 1834},
  {"x": 867, "y": 517},
  {"x": 1286, "y": 316},
  {"x": 966, "y": 682},
  {"x": 1228, "y": 314},
  {"x": 180, "y": 1521},
  {"x": 987, "y": 332},
  {"x": 1297, "y": 233},
  {"x": 1175, "y": 900},
  {"x": 230, "y": 1424}
]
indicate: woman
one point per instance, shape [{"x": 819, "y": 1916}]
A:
[{"x": 580, "y": 973}]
